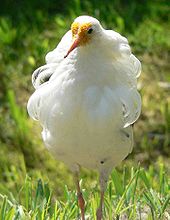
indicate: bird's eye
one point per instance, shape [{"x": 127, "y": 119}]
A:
[{"x": 90, "y": 30}]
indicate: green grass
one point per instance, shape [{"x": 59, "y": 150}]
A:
[
  {"x": 28, "y": 30},
  {"x": 136, "y": 194}
]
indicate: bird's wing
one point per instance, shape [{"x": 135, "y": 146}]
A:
[
  {"x": 53, "y": 60},
  {"x": 122, "y": 50},
  {"x": 131, "y": 106},
  {"x": 43, "y": 74},
  {"x": 128, "y": 69}
]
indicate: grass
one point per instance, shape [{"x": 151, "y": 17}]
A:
[
  {"x": 27, "y": 32},
  {"x": 137, "y": 194}
]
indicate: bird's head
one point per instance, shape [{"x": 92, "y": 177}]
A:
[{"x": 84, "y": 29}]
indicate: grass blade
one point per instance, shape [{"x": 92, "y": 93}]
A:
[
  {"x": 120, "y": 203},
  {"x": 3, "y": 208},
  {"x": 117, "y": 182}
]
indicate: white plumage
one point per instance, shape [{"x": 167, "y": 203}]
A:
[{"x": 87, "y": 102}]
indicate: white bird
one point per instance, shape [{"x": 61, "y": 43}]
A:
[{"x": 86, "y": 100}]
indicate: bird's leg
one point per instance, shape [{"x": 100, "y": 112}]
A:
[
  {"x": 103, "y": 183},
  {"x": 100, "y": 208},
  {"x": 80, "y": 198}
]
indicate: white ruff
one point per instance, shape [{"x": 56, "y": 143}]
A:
[{"x": 87, "y": 107}]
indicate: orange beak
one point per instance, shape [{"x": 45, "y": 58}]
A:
[
  {"x": 75, "y": 44},
  {"x": 79, "y": 35}
]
